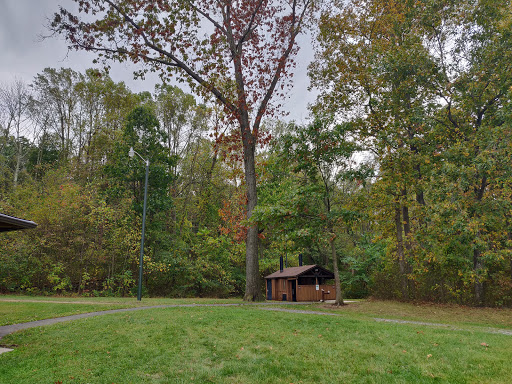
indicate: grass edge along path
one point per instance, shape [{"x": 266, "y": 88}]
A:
[
  {"x": 499, "y": 331},
  {"x": 243, "y": 344},
  {"x": 8, "y": 329}
]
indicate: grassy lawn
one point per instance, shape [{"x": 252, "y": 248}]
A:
[
  {"x": 22, "y": 309},
  {"x": 438, "y": 313},
  {"x": 124, "y": 301},
  {"x": 13, "y": 313},
  {"x": 250, "y": 345}
]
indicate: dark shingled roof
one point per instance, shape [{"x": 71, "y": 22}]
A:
[
  {"x": 297, "y": 271},
  {"x": 11, "y": 223}
]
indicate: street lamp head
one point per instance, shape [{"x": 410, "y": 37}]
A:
[{"x": 131, "y": 152}]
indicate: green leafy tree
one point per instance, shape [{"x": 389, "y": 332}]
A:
[
  {"x": 374, "y": 69},
  {"x": 78, "y": 245},
  {"x": 475, "y": 139},
  {"x": 103, "y": 107},
  {"x": 14, "y": 103},
  {"x": 426, "y": 85},
  {"x": 56, "y": 102},
  {"x": 320, "y": 155},
  {"x": 142, "y": 132}
]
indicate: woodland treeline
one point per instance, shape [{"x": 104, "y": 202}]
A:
[
  {"x": 400, "y": 180},
  {"x": 65, "y": 165}
]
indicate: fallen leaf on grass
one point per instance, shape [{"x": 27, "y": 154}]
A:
[
  {"x": 484, "y": 345},
  {"x": 429, "y": 356}
]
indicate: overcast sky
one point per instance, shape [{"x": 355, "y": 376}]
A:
[{"x": 23, "y": 54}]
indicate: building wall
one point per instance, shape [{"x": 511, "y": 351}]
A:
[
  {"x": 309, "y": 292},
  {"x": 280, "y": 287},
  {"x": 304, "y": 292}
]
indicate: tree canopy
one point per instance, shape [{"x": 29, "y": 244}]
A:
[
  {"x": 237, "y": 52},
  {"x": 399, "y": 181}
]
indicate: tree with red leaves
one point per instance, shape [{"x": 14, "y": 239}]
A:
[{"x": 238, "y": 52}]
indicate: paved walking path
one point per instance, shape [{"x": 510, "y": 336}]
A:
[
  {"x": 398, "y": 321},
  {"x": 8, "y": 329},
  {"x": 483, "y": 329},
  {"x": 275, "y": 306},
  {"x": 57, "y": 302}
]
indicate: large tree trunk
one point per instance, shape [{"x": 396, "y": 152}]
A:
[
  {"x": 252, "y": 273},
  {"x": 337, "y": 282}
]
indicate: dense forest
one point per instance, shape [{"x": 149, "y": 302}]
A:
[{"x": 400, "y": 181}]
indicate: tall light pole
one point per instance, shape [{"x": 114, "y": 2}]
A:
[{"x": 131, "y": 153}]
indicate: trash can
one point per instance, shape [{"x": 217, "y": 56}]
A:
[{"x": 284, "y": 296}]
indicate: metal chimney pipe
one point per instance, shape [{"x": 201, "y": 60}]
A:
[
  {"x": 281, "y": 264},
  {"x": 300, "y": 259}
]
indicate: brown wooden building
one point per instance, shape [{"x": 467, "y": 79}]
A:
[{"x": 304, "y": 283}]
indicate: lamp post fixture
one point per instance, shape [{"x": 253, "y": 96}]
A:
[{"x": 132, "y": 153}]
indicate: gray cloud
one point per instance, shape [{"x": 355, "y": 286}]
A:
[{"x": 24, "y": 54}]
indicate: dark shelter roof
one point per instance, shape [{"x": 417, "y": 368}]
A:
[
  {"x": 11, "y": 223},
  {"x": 306, "y": 270}
]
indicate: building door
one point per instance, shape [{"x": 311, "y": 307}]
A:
[
  {"x": 294, "y": 290},
  {"x": 269, "y": 289}
]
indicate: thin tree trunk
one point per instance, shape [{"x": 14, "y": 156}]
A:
[
  {"x": 208, "y": 185},
  {"x": 479, "y": 286},
  {"x": 400, "y": 252},
  {"x": 478, "y": 263},
  {"x": 187, "y": 197},
  {"x": 509, "y": 236},
  {"x": 18, "y": 165},
  {"x": 407, "y": 237},
  {"x": 408, "y": 249}
]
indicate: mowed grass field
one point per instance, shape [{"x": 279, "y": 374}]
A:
[
  {"x": 251, "y": 345},
  {"x": 22, "y": 309}
]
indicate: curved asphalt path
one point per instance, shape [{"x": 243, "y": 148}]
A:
[{"x": 8, "y": 329}]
